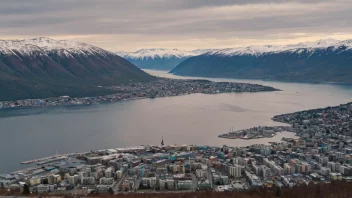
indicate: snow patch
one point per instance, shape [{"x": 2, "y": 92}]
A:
[
  {"x": 293, "y": 48},
  {"x": 46, "y": 45},
  {"x": 154, "y": 53}
]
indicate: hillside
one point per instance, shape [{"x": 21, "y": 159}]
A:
[
  {"x": 159, "y": 59},
  {"x": 42, "y": 67},
  {"x": 320, "y": 61}
]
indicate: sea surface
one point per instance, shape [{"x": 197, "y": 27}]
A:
[{"x": 32, "y": 133}]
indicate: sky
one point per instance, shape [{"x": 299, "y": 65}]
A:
[{"x": 129, "y": 25}]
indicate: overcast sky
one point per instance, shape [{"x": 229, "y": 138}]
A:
[{"x": 128, "y": 25}]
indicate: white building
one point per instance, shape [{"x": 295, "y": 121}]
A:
[
  {"x": 106, "y": 181},
  {"x": 108, "y": 172},
  {"x": 325, "y": 171},
  {"x": 73, "y": 179},
  {"x": 45, "y": 188},
  {"x": 149, "y": 181},
  {"x": 235, "y": 171},
  {"x": 200, "y": 173},
  {"x": 184, "y": 185},
  {"x": 119, "y": 174},
  {"x": 42, "y": 188},
  {"x": 166, "y": 184}
]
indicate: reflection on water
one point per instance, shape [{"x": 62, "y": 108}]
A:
[{"x": 189, "y": 119}]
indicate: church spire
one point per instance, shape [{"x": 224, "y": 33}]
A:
[{"x": 162, "y": 140}]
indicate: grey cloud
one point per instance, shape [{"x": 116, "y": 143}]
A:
[{"x": 170, "y": 19}]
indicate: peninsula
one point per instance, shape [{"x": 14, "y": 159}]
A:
[{"x": 160, "y": 87}]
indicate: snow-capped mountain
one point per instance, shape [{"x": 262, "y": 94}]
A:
[
  {"x": 157, "y": 53},
  {"x": 265, "y": 49},
  {"x": 46, "y": 45},
  {"x": 319, "y": 61},
  {"x": 159, "y": 58},
  {"x": 43, "y": 67}
]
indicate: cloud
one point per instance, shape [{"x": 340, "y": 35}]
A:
[{"x": 187, "y": 24}]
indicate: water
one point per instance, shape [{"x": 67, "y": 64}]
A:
[{"x": 192, "y": 119}]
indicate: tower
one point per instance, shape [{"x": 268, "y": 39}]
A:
[{"x": 162, "y": 140}]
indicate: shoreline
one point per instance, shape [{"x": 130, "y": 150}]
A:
[
  {"x": 299, "y": 124},
  {"x": 267, "y": 80},
  {"x": 160, "y": 88},
  {"x": 257, "y": 132}
]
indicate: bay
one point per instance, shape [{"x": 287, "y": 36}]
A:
[{"x": 32, "y": 133}]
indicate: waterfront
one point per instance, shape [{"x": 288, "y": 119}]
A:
[{"x": 181, "y": 120}]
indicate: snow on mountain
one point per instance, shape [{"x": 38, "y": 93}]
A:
[
  {"x": 45, "y": 45},
  {"x": 260, "y": 50},
  {"x": 145, "y": 54},
  {"x": 202, "y": 51}
]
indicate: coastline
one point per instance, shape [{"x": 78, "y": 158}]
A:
[{"x": 163, "y": 87}]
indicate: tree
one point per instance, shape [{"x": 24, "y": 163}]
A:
[
  {"x": 26, "y": 189},
  {"x": 111, "y": 192},
  {"x": 2, "y": 185}
]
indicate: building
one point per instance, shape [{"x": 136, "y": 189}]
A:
[
  {"x": 45, "y": 188},
  {"x": 106, "y": 181},
  {"x": 204, "y": 184},
  {"x": 224, "y": 180},
  {"x": 54, "y": 179},
  {"x": 149, "y": 182},
  {"x": 335, "y": 176},
  {"x": 266, "y": 171},
  {"x": 42, "y": 188},
  {"x": 102, "y": 188},
  {"x": 289, "y": 169},
  {"x": 167, "y": 184},
  {"x": 325, "y": 171},
  {"x": 184, "y": 185},
  {"x": 33, "y": 181},
  {"x": 119, "y": 174},
  {"x": 109, "y": 172},
  {"x": 87, "y": 180},
  {"x": 200, "y": 173},
  {"x": 73, "y": 180},
  {"x": 235, "y": 171}
]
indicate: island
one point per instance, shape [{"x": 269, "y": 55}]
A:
[{"x": 160, "y": 87}]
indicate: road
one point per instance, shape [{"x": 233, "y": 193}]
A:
[
  {"x": 210, "y": 177},
  {"x": 116, "y": 187},
  {"x": 194, "y": 182}
]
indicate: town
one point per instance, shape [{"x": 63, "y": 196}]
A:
[
  {"x": 161, "y": 87},
  {"x": 257, "y": 132},
  {"x": 320, "y": 154}
]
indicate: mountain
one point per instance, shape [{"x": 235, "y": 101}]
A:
[
  {"x": 159, "y": 59},
  {"x": 320, "y": 61},
  {"x": 43, "y": 67}
]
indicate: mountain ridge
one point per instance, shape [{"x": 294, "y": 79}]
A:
[
  {"x": 159, "y": 58},
  {"x": 43, "y": 67},
  {"x": 319, "y": 61}
]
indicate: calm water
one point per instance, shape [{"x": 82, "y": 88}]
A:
[{"x": 192, "y": 119}]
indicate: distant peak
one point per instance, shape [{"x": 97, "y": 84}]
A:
[
  {"x": 47, "y": 44},
  {"x": 41, "y": 38}
]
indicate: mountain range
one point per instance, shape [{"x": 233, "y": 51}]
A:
[
  {"x": 43, "y": 67},
  {"x": 159, "y": 58},
  {"x": 320, "y": 61}
]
